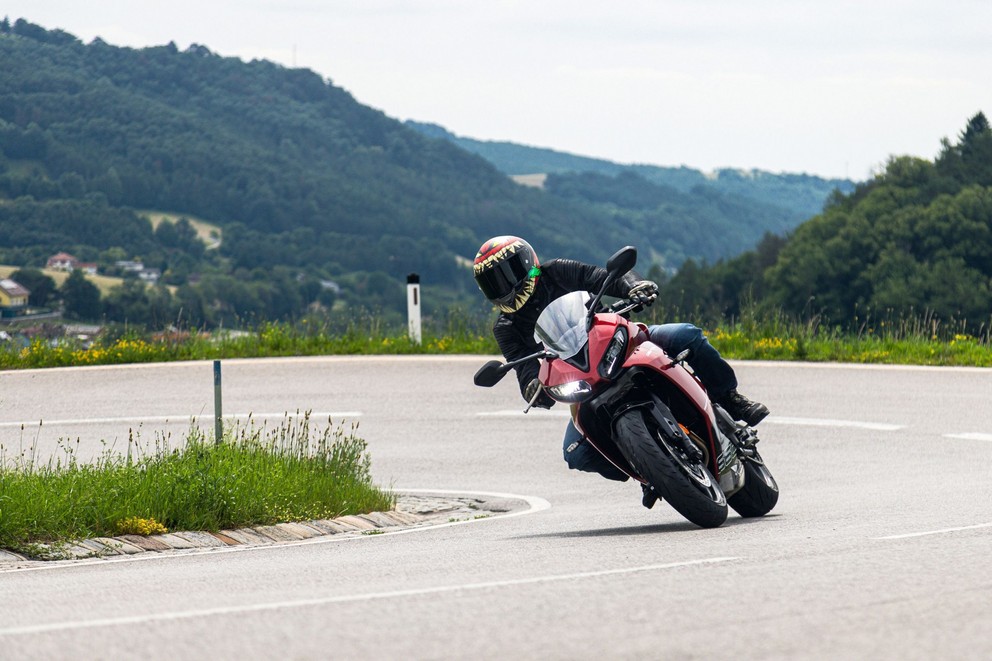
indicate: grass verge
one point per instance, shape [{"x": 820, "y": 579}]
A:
[
  {"x": 733, "y": 343},
  {"x": 257, "y": 476},
  {"x": 909, "y": 342}
]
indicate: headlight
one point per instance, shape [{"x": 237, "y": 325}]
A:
[
  {"x": 612, "y": 362},
  {"x": 573, "y": 391}
]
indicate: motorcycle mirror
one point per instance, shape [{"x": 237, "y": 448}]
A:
[
  {"x": 490, "y": 374},
  {"x": 619, "y": 263},
  {"x": 622, "y": 260}
]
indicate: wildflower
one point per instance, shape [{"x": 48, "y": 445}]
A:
[{"x": 134, "y": 525}]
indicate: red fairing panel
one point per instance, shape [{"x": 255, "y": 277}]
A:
[{"x": 653, "y": 356}]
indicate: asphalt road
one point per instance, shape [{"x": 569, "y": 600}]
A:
[{"x": 880, "y": 546}]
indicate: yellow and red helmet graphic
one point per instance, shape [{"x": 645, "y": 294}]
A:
[
  {"x": 506, "y": 270},
  {"x": 497, "y": 248}
]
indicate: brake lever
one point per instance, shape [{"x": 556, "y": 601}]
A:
[{"x": 533, "y": 399}]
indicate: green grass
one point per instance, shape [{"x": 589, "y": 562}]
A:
[
  {"x": 257, "y": 476},
  {"x": 962, "y": 350},
  {"x": 911, "y": 341},
  {"x": 272, "y": 339},
  {"x": 907, "y": 341},
  {"x": 769, "y": 339}
]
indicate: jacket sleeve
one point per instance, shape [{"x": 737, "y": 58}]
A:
[
  {"x": 514, "y": 347},
  {"x": 577, "y": 276}
]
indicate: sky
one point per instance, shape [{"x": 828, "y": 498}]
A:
[{"x": 831, "y": 88}]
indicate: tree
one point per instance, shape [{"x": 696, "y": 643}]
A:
[
  {"x": 41, "y": 286},
  {"x": 166, "y": 234},
  {"x": 134, "y": 302},
  {"x": 80, "y": 297},
  {"x": 977, "y": 126}
]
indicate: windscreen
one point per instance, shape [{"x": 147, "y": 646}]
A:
[{"x": 562, "y": 325}]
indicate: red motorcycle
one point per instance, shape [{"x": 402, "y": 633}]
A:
[{"x": 643, "y": 410}]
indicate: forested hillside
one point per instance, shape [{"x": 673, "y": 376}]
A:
[
  {"x": 311, "y": 188},
  {"x": 299, "y": 174},
  {"x": 700, "y": 224},
  {"x": 916, "y": 239},
  {"x": 793, "y": 196}
]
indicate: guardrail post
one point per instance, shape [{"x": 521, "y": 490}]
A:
[
  {"x": 218, "y": 425},
  {"x": 413, "y": 306}
]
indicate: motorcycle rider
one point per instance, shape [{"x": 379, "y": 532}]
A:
[{"x": 509, "y": 274}]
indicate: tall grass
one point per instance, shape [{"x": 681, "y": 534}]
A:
[
  {"x": 888, "y": 339},
  {"x": 456, "y": 333},
  {"x": 919, "y": 339},
  {"x": 295, "y": 471}
]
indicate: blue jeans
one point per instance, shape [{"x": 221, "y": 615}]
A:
[
  {"x": 717, "y": 376},
  {"x": 581, "y": 456}
]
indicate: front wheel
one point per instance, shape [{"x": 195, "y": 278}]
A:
[
  {"x": 685, "y": 483},
  {"x": 760, "y": 491}
]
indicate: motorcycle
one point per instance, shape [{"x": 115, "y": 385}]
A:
[{"x": 642, "y": 409}]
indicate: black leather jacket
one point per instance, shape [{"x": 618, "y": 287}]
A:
[{"x": 515, "y": 332}]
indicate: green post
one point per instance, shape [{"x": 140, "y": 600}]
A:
[{"x": 218, "y": 425}]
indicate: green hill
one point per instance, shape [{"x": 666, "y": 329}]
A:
[
  {"x": 915, "y": 241},
  {"x": 794, "y": 196},
  {"x": 306, "y": 185}
]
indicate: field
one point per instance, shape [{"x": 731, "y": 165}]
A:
[
  {"x": 103, "y": 282},
  {"x": 209, "y": 233}
]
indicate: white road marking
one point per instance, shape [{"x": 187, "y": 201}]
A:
[
  {"x": 970, "y": 436},
  {"x": 828, "y": 422},
  {"x": 184, "y": 418},
  {"x": 936, "y": 532},
  {"x": 539, "y": 413},
  {"x": 343, "y": 599}
]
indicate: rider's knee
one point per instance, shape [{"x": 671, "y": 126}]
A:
[{"x": 580, "y": 456}]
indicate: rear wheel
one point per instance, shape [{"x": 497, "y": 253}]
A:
[
  {"x": 760, "y": 491},
  {"x": 685, "y": 483}
]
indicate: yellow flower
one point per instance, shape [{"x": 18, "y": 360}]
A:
[{"x": 134, "y": 525}]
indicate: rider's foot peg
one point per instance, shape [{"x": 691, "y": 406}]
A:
[{"x": 650, "y": 497}]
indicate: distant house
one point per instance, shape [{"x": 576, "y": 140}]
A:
[
  {"x": 130, "y": 266},
  {"x": 13, "y": 298},
  {"x": 149, "y": 275},
  {"x": 63, "y": 261}
]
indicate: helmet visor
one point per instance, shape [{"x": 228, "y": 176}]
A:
[{"x": 500, "y": 281}]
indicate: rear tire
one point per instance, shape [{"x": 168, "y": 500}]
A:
[
  {"x": 687, "y": 485},
  {"x": 760, "y": 492}
]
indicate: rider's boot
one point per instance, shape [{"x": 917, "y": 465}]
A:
[
  {"x": 650, "y": 497},
  {"x": 742, "y": 408}
]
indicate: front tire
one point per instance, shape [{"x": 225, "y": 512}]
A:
[
  {"x": 760, "y": 491},
  {"x": 687, "y": 485}
]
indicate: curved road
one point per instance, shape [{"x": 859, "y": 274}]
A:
[{"x": 881, "y": 544}]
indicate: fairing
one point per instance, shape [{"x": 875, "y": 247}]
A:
[{"x": 562, "y": 329}]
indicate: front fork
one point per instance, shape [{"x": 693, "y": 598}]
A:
[{"x": 663, "y": 418}]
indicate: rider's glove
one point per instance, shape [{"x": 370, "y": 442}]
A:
[
  {"x": 644, "y": 293},
  {"x": 543, "y": 401}
]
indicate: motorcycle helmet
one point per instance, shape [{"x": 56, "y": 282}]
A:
[{"x": 506, "y": 270}]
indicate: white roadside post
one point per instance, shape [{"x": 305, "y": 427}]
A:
[{"x": 413, "y": 306}]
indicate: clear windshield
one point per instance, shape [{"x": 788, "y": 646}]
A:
[{"x": 562, "y": 325}]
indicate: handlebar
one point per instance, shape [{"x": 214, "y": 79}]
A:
[{"x": 623, "y": 306}]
